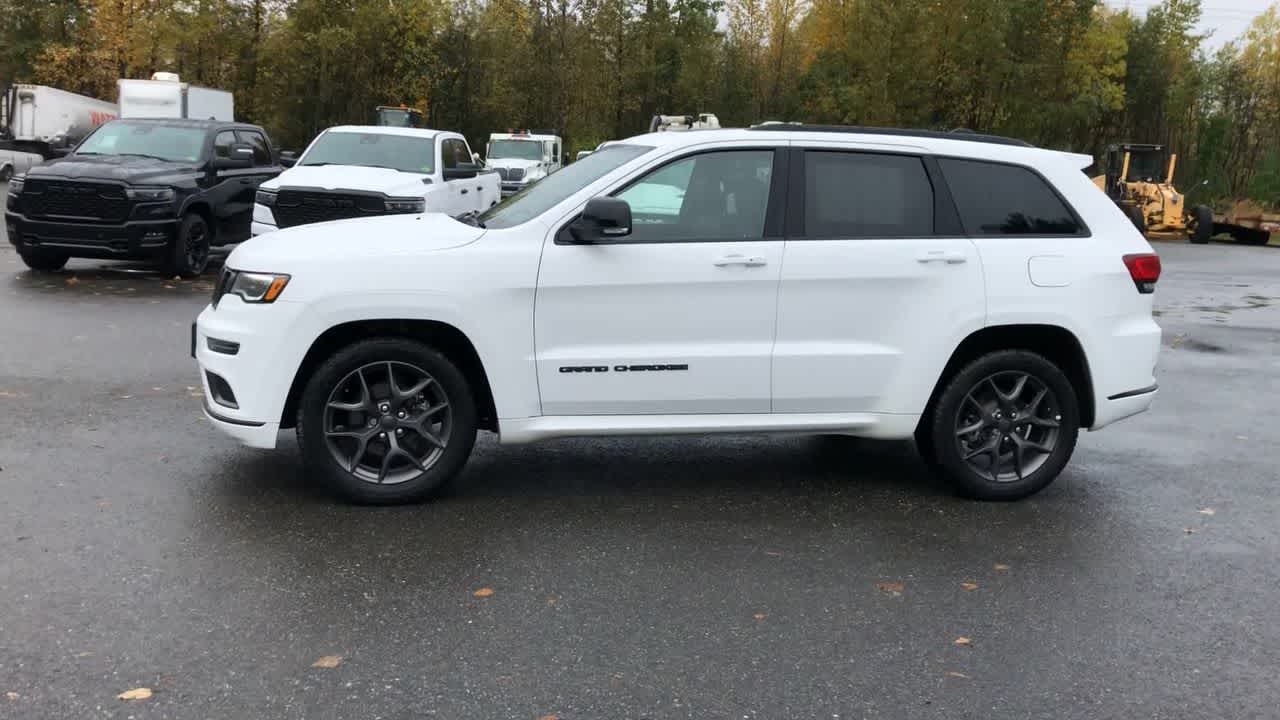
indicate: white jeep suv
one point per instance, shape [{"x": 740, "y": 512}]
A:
[{"x": 972, "y": 292}]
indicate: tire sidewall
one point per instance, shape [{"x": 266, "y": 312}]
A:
[
  {"x": 178, "y": 255},
  {"x": 968, "y": 481},
  {"x": 1204, "y": 225},
  {"x": 310, "y": 422},
  {"x": 43, "y": 260}
]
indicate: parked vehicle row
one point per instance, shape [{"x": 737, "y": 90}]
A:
[{"x": 701, "y": 283}]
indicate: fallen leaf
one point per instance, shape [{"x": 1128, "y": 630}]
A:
[
  {"x": 1206, "y": 511},
  {"x": 11, "y": 695},
  {"x": 953, "y": 673},
  {"x": 1242, "y": 437},
  {"x": 135, "y": 694},
  {"x": 167, "y": 286},
  {"x": 1189, "y": 531},
  {"x": 73, "y": 280},
  {"x": 328, "y": 661},
  {"x": 552, "y": 600},
  {"x": 969, "y": 585},
  {"x": 104, "y": 503},
  {"x": 549, "y": 716},
  {"x": 962, "y": 640},
  {"x": 773, "y": 553},
  {"x": 158, "y": 389},
  {"x": 759, "y": 616},
  {"x": 124, "y": 397},
  {"x": 483, "y": 592},
  {"x": 1001, "y": 567},
  {"x": 890, "y": 587}
]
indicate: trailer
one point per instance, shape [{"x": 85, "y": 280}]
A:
[
  {"x": 1247, "y": 224},
  {"x": 166, "y": 96},
  {"x": 48, "y": 121}
]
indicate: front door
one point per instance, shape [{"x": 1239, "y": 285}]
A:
[
  {"x": 677, "y": 317},
  {"x": 233, "y": 193},
  {"x": 878, "y": 287}
]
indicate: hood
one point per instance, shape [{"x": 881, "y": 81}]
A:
[
  {"x": 512, "y": 163},
  {"x": 351, "y": 243},
  {"x": 124, "y": 168},
  {"x": 350, "y": 177}
]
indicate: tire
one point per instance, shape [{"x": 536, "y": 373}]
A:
[
  {"x": 1202, "y": 224},
  {"x": 357, "y": 376},
  {"x": 43, "y": 260},
  {"x": 6, "y": 173},
  {"x": 1253, "y": 237},
  {"x": 1002, "y": 420},
  {"x": 1134, "y": 213},
  {"x": 189, "y": 252}
]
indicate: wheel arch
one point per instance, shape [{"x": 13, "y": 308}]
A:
[
  {"x": 1056, "y": 343},
  {"x": 205, "y": 211},
  {"x": 442, "y": 336}
]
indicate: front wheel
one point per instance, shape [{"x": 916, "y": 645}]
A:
[
  {"x": 1005, "y": 426},
  {"x": 189, "y": 254},
  {"x": 387, "y": 420},
  {"x": 43, "y": 260},
  {"x": 1201, "y": 224},
  {"x": 1137, "y": 217}
]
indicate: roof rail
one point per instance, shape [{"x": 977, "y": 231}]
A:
[{"x": 958, "y": 134}]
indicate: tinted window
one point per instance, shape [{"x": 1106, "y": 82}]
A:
[
  {"x": 222, "y": 144},
  {"x": 998, "y": 199},
  {"x": 712, "y": 196},
  {"x": 851, "y": 195},
  {"x": 257, "y": 141}
]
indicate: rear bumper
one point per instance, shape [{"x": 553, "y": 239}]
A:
[
  {"x": 1124, "y": 367},
  {"x": 134, "y": 239}
]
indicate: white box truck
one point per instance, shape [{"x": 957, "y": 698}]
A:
[
  {"x": 49, "y": 121},
  {"x": 166, "y": 96}
]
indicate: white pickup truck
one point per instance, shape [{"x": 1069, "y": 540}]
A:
[
  {"x": 16, "y": 162},
  {"x": 366, "y": 171}
]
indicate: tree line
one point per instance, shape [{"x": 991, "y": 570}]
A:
[{"x": 1069, "y": 74}]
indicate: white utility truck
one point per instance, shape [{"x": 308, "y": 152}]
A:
[
  {"x": 48, "y": 121},
  {"x": 522, "y": 158},
  {"x": 359, "y": 171},
  {"x": 166, "y": 96},
  {"x": 669, "y": 123}
]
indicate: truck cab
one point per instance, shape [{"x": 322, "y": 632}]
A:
[
  {"x": 358, "y": 171},
  {"x": 522, "y": 158}
]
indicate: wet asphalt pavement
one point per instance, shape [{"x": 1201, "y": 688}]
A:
[{"x": 742, "y": 577}]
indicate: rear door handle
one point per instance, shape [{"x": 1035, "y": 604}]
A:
[
  {"x": 741, "y": 260},
  {"x": 950, "y": 257}
]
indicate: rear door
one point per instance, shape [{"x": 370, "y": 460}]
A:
[{"x": 879, "y": 283}]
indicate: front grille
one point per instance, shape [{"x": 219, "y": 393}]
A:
[
  {"x": 511, "y": 173},
  {"x": 221, "y": 287},
  {"x": 79, "y": 200},
  {"x": 301, "y": 207}
]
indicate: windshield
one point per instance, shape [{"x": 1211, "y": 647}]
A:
[
  {"x": 394, "y": 117},
  {"x": 518, "y": 149},
  {"x": 405, "y": 153},
  {"x": 545, "y": 194},
  {"x": 1146, "y": 165},
  {"x": 154, "y": 140}
]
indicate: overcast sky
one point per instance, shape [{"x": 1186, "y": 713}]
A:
[{"x": 1225, "y": 19}]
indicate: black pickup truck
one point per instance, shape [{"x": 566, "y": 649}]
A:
[{"x": 142, "y": 189}]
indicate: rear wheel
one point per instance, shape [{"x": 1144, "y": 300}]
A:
[
  {"x": 1135, "y": 215},
  {"x": 1252, "y": 237},
  {"x": 1201, "y": 225},
  {"x": 1005, "y": 426},
  {"x": 43, "y": 260},
  {"x": 189, "y": 253},
  {"x": 387, "y": 420}
]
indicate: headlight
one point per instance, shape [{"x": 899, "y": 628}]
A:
[
  {"x": 265, "y": 197},
  {"x": 15, "y": 184},
  {"x": 405, "y": 205},
  {"x": 253, "y": 287},
  {"x": 150, "y": 194}
]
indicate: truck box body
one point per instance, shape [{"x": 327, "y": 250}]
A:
[
  {"x": 49, "y": 119},
  {"x": 170, "y": 99}
]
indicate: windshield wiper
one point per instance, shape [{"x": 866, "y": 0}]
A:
[
  {"x": 470, "y": 217},
  {"x": 149, "y": 157}
]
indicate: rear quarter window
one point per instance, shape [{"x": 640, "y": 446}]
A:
[{"x": 994, "y": 199}]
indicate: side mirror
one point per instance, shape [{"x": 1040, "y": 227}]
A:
[
  {"x": 462, "y": 171},
  {"x": 475, "y": 158},
  {"x": 241, "y": 156},
  {"x": 288, "y": 158},
  {"x": 603, "y": 220}
]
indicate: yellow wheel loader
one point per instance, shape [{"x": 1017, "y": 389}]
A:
[{"x": 1139, "y": 178}]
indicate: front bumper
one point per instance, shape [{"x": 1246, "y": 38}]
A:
[
  {"x": 134, "y": 239},
  {"x": 257, "y": 375}
]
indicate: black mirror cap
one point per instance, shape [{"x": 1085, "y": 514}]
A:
[{"x": 604, "y": 219}]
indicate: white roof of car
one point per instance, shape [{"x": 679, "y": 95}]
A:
[{"x": 387, "y": 130}]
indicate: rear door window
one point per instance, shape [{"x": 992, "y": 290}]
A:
[
  {"x": 995, "y": 199},
  {"x": 866, "y": 195}
]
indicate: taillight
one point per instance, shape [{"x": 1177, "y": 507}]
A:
[{"x": 1144, "y": 268}]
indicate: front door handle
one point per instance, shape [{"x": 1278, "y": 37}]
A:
[
  {"x": 741, "y": 260},
  {"x": 950, "y": 257},
  {"x": 464, "y": 191}
]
